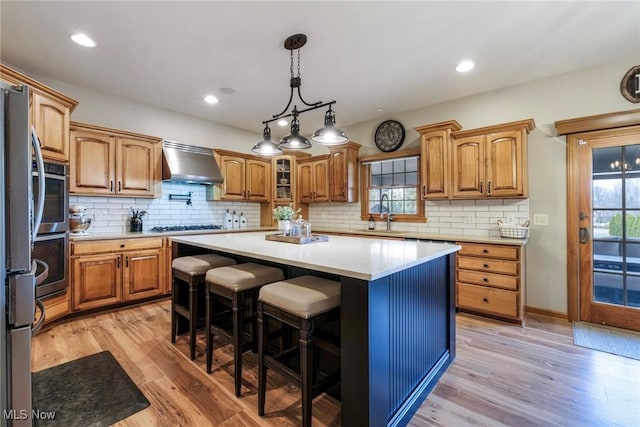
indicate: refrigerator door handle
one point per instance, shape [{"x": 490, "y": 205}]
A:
[
  {"x": 37, "y": 220},
  {"x": 38, "y": 325},
  {"x": 45, "y": 272}
]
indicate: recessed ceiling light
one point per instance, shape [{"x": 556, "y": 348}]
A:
[
  {"x": 83, "y": 40},
  {"x": 465, "y": 66},
  {"x": 210, "y": 99},
  {"x": 379, "y": 109},
  {"x": 282, "y": 122},
  {"x": 227, "y": 90}
]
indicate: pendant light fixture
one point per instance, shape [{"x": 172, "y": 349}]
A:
[
  {"x": 328, "y": 135},
  {"x": 266, "y": 147}
]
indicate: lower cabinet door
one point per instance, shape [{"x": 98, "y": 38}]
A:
[
  {"x": 97, "y": 281},
  {"x": 143, "y": 274}
]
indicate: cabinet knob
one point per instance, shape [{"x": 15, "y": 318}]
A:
[
  {"x": 485, "y": 251},
  {"x": 484, "y": 279},
  {"x": 122, "y": 245},
  {"x": 485, "y": 265},
  {"x": 485, "y": 299}
]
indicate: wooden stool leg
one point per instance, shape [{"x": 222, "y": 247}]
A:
[
  {"x": 209, "y": 322},
  {"x": 306, "y": 369},
  {"x": 174, "y": 315},
  {"x": 193, "y": 318},
  {"x": 262, "y": 369},
  {"x": 237, "y": 307}
]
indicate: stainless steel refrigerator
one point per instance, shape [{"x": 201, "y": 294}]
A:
[{"x": 20, "y": 215}]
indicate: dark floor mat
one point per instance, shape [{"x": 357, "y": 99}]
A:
[{"x": 90, "y": 391}]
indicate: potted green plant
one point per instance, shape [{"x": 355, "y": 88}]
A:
[
  {"x": 135, "y": 224},
  {"x": 284, "y": 215}
]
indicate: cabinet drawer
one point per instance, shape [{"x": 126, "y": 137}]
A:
[
  {"x": 490, "y": 265},
  {"x": 117, "y": 245},
  {"x": 491, "y": 251},
  {"x": 489, "y": 300},
  {"x": 488, "y": 279}
]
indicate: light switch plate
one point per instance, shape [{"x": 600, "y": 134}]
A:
[{"x": 540, "y": 219}]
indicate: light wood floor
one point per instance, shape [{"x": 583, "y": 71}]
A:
[{"x": 503, "y": 375}]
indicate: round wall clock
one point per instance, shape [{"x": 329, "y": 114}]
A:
[{"x": 389, "y": 135}]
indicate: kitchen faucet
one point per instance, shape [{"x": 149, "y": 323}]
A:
[{"x": 385, "y": 196}]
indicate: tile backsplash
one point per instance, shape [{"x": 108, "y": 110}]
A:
[
  {"x": 111, "y": 214},
  {"x": 466, "y": 217}
]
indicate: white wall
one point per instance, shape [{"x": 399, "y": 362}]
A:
[
  {"x": 101, "y": 109},
  {"x": 583, "y": 93},
  {"x": 577, "y": 94}
]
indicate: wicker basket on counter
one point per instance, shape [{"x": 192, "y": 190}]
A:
[{"x": 512, "y": 231}]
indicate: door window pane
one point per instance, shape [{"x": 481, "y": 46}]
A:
[
  {"x": 607, "y": 193},
  {"x": 607, "y": 288},
  {"x": 607, "y": 223}
]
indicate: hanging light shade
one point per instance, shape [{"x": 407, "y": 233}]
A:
[
  {"x": 266, "y": 147},
  {"x": 329, "y": 134},
  {"x": 295, "y": 141}
]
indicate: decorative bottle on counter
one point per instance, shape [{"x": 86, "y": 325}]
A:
[
  {"x": 227, "y": 221},
  {"x": 236, "y": 220},
  {"x": 372, "y": 222},
  {"x": 243, "y": 221}
]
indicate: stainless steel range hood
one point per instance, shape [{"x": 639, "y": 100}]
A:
[{"x": 189, "y": 164}]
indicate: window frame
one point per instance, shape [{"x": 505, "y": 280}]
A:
[{"x": 365, "y": 175}]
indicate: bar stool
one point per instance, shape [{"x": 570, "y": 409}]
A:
[
  {"x": 190, "y": 271},
  {"x": 235, "y": 285},
  {"x": 305, "y": 303}
]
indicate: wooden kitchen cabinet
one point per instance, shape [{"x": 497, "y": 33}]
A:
[
  {"x": 343, "y": 172},
  {"x": 435, "y": 159},
  {"x": 109, "y": 272},
  {"x": 490, "y": 280},
  {"x": 49, "y": 111},
  {"x": 490, "y": 161},
  {"x": 246, "y": 177},
  {"x": 313, "y": 179},
  {"x": 113, "y": 163}
]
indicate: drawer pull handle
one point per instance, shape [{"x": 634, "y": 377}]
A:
[
  {"x": 485, "y": 251},
  {"x": 484, "y": 279},
  {"x": 122, "y": 246},
  {"x": 485, "y": 265},
  {"x": 485, "y": 299}
]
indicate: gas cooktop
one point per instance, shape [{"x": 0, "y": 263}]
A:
[{"x": 165, "y": 228}]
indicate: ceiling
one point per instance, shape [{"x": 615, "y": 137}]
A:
[{"x": 367, "y": 55}]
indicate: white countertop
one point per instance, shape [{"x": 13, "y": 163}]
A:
[{"x": 357, "y": 257}]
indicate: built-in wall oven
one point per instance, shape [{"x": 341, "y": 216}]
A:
[
  {"x": 55, "y": 215},
  {"x": 52, "y": 242}
]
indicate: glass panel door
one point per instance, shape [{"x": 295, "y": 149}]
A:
[{"x": 609, "y": 205}]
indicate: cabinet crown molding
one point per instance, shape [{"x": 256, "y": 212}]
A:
[
  {"x": 527, "y": 125},
  {"x": 12, "y": 75},
  {"x": 111, "y": 131},
  {"x": 450, "y": 124}
]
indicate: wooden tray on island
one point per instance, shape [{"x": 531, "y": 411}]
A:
[{"x": 279, "y": 237}]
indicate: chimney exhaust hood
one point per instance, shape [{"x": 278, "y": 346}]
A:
[{"x": 189, "y": 164}]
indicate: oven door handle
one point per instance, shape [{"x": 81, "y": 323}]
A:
[
  {"x": 38, "y": 325},
  {"x": 37, "y": 219}
]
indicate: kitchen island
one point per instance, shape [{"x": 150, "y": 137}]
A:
[{"x": 397, "y": 312}]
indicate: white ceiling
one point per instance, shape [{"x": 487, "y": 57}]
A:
[{"x": 366, "y": 55}]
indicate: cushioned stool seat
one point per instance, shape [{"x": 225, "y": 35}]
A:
[
  {"x": 306, "y": 303},
  {"x": 189, "y": 271},
  {"x": 235, "y": 285}
]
